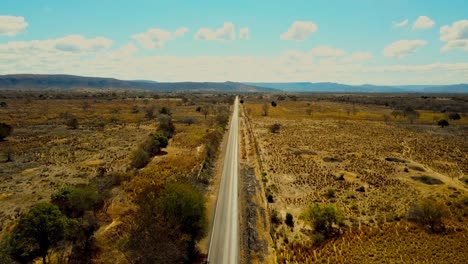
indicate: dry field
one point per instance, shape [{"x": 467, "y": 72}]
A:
[
  {"x": 47, "y": 155},
  {"x": 346, "y": 155}
]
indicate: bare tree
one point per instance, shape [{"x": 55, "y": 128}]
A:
[
  {"x": 309, "y": 111},
  {"x": 386, "y": 118}
]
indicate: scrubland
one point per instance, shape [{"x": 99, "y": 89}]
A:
[
  {"x": 46, "y": 154},
  {"x": 371, "y": 166}
]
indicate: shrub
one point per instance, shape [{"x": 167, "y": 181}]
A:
[
  {"x": 3, "y": 104},
  {"x": 166, "y": 126},
  {"x": 42, "y": 228},
  {"x": 154, "y": 143},
  {"x": 322, "y": 218},
  {"x": 198, "y": 109},
  {"x": 139, "y": 158},
  {"x": 165, "y": 111},
  {"x": 149, "y": 112},
  {"x": 5, "y": 130},
  {"x": 188, "y": 120},
  {"x": 135, "y": 109},
  {"x": 443, "y": 123},
  {"x": 265, "y": 110},
  {"x": 275, "y": 128},
  {"x": 74, "y": 201},
  {"x": 427, "y": 213},
  {"x": 72, "y": 123},
  {"x": 275, "y": 217},
  {"x": 289, "y": 220},
  {"x": 330, "y": 193},
  {"x": 454, "y": 116},
  {"x": 241, "y": 101},
  {"x": 273, "y": 103}
]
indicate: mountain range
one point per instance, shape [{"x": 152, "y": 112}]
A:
[{"x": 55, "y": 82}]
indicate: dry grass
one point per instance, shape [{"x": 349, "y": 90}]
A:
[{"x": 347, "y": 152}]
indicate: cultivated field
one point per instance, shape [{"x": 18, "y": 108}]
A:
[{"x": 372, "y": 167}]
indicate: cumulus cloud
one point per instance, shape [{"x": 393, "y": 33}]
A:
[
  {"x": 402, "y": 48},
  {"x": 358, "y": 57},
  {"x": 400, "y": 24},
  {"x": 325, "y": 51},
  {"x": 244, "y": 33},
  {"x": 227, "y": 32},
  {"x": 155, "y": 38},
  {"x": 423, "y": 22},
  {"x": 455, "y": 36},
  {"x": 299, "y": 31},
  {"x": 12, "y": 25}
]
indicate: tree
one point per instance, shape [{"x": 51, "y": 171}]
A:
[
  {"x": 198, "y": 109},
  {"x": 275, "y": 128},
  {"x": 5, "y": 130},
  {"x": 165, "y": 111},
  {"x": 42, "y": 228},
  {"x": 265, "y": 110},
  {"x": 166, "y": 126},
  {"x": 154, "y": 143},
  {"x": 427, "y": 213},
  {"x": 205, "y": 110},
  {"x": 396, "y": 114},
  {"x": 74, "y": 201},
  {"x": 454, "y": 116},
  {"x": 411, "y": 114},
  {"x": 241, "y": 101},
  {"x": 72, "y": 123},
  {"x": 322, "y": 218},
  {"x": 3, "y": 104},
  {"x": 149, "y": 112},
  {"x": 153, "y": 239},
  {"x": 273, "y": 103},
  {"x": 184, "y": 205},
  {"x": 443, "y": 123}
]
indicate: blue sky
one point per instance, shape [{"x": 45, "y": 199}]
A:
[{"x": 339, "y": 41}]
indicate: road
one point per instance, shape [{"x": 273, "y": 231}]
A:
[{"x": 224, "y": 242}]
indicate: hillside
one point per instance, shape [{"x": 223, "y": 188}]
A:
[
  {"x": 54, "y": 82},
  {"x": 366, "y": 88}
]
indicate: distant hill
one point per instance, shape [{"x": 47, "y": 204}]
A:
[
  {"x": 366, "y": 88},
  {"x": 54, "y": 82}
]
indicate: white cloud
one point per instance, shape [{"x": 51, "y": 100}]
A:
[
  {"x": 402, "y": 48},
  {"x": 227, "y": 32},
  {"x": 400, "y": 24},
  {"x": 11, "y": 25},
  {"x": 299, "y": 31},
  {"x": 325, "y": 51},
  {"x": 67, "y": 44},
  {"x": 155, "y": 38},
  {"x": 358, "y": 57},
  {"x": 456, "y": 36},
  {"x": 244, "y": 33},
  {"x": 423, "y": 22},
  {"x": 77, "y": 43}
]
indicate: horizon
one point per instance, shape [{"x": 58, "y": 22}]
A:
[{"x": 388, "y": 43}]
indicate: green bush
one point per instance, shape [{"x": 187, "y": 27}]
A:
[
  {"x": 74, "y": 201},
  {"x": 427, "y": 213},
  {"x": 166, "y": 126},
  {"x": 139, "y": 158},
  {"x": 154, "y": 143},
  {"x": 323, "y": 218}
]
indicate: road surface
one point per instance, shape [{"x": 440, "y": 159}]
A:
[{"x": 224, "y": 242}]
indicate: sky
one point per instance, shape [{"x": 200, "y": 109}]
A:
[{"x": 389, "y": 42}]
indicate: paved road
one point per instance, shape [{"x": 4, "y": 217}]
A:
[{"x": 224, "y": 243}]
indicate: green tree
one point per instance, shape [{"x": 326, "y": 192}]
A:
[
  {"x": 42, "y": 228},
  {"x": 5, "y": 130},
  {"x": 166, "y": 126},
  {"x": 154, "y": 143},
  {"x": 322, "y": 218},
  {"x": 74, "y": 201},
  {"x": 184, "y": 205}
]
